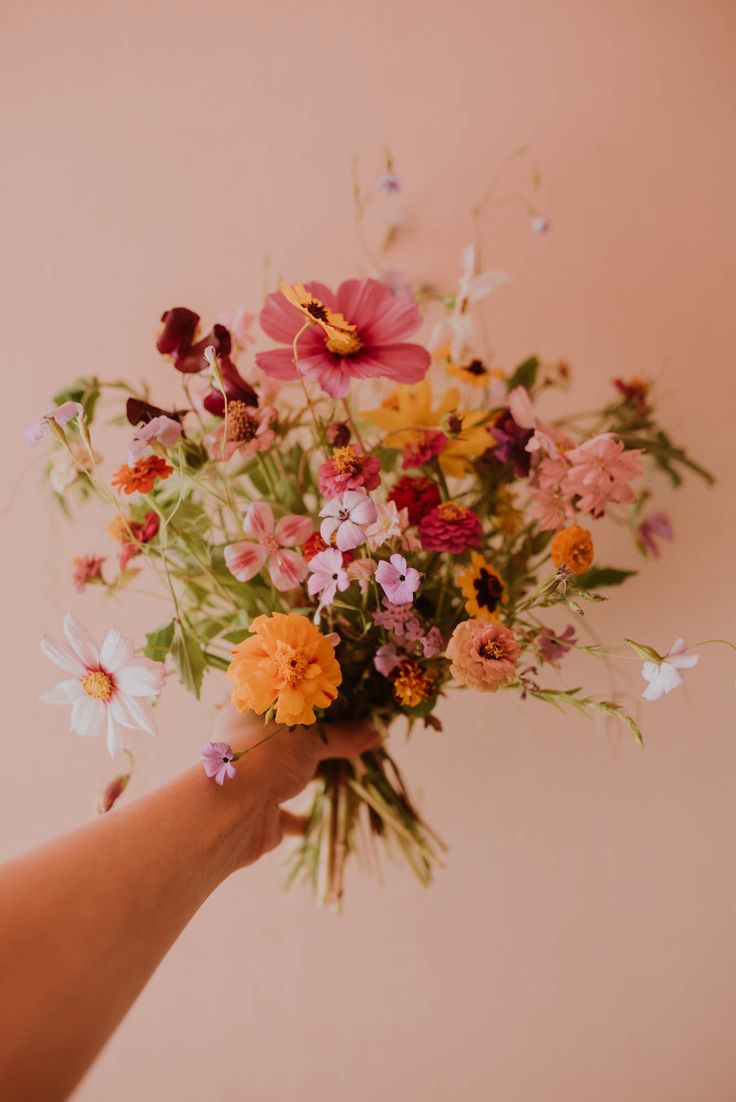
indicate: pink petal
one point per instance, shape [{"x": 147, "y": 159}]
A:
[
  {"x": 363, "y": 511},
  {"x": 329, "y": 525},
  {"x": 521, "y": 407},
  {"x": 81, "y": 641},
  {"x": 287, "y": 569},
  {"x": 348, "y": 536},
  {"x": 34, "y": 434},
  {"x": 293, "y": 530},
  {"x": 278, "y": 363},
  {"x": 244, "y": 560},
  {"x": 404, "y": 363},
  {"x": 258, "y": 521}
]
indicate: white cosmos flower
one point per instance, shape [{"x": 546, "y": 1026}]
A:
[
  {"x": 665, "y": 676},
  {"x": 108, "y": 686}
]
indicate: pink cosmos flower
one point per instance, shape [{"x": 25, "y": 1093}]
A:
[
  {"x": 665, "y": 676},
  {"x": 268, "y": 544},
  {"x": 217, "y": 760},
  {"x": 349, "y": 469},
  {"x": 379, "y": 349},
  {"x": 160, "y": 430},
  {"x": 398, "y": 580},
  {"x": 346, "y": 517},
  {"x": 108, "y": 686},
  {"x": 327, "y": 575},
  {"x": 62, "y": 415},
  {"x": 483, "y": 655},
  {"x": 245, "y": 431},
  {"x": 600, "y": 472}
]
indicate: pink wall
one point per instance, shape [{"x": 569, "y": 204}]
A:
[{"x": 581, "y": 943}]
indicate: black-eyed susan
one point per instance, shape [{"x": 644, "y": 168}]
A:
[
  {"x": 475, "y": 373},
  {"x": 482, "y": 587}
]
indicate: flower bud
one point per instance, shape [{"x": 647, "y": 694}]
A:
[{"x": 337, "y": 434}]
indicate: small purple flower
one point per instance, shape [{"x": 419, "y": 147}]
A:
[
  {"x": 389, "y": 184},
  {"x": 539, "y": 223},
  {"x": 656, "y": 524},
  {"x": 64, "y": 413},
  {"x": 398, "y": 580},
  {"x": 432, "y": 642},
  {"x": 327, "y": 575},
  {"x": 162, "y": 430},
  {"x": 553, "y": 647},
  {"x": 387, "y": 658},
  {"x": 346, "y": 517},
  {"x": 217, "y": 759},
  {"x": 395, "y": 618},
  {"x": 511, "y": 444}
]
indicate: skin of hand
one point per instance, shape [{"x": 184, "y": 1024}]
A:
[{"x": 86, "y": 919}]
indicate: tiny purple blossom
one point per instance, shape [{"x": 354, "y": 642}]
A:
[
  {"x": 432, "y": 642},
  {"x": 539, "y": 223},
  {"x": 161, "y": 430},
  {"x": 389, "y": 184},
  {"x": 387, "y": 658},
  {"x": 64, "y": 413},
  {"x": 398, "y": 580},
  {"x": 654, "y": 525},
  {"x": 217, "y": 759},
  {"x": 553, "y": 646},
  {"x": 327, "y": 575},
  {"x": 346, "y": 517}
]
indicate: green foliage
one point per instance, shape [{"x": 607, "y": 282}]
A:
[
  {"x": 599, "y": 576},
  {"x": 189, "y": 659},
  {"x": 158, "y": 642},
  {"x": 525, "y": 374}
]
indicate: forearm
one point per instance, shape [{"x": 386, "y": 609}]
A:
[{"x": 101, "y": 907}]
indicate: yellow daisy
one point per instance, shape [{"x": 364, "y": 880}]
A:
[{"x": 483, "y": 588}]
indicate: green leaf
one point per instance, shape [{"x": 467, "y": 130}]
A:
[
  {"x": 599, "y": 576},
  {"x": 189, "y": 659},
  {"x": 525, "y": 374},
  {"x": 158, "y": 642}
]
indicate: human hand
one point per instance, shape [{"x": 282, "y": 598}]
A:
[{"x": 278, "y": 765}]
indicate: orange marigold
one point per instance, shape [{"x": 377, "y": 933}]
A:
[
  {"x": 141, "y": 477},
  {"x": 573, "y": 546},
  {"x": 286, "y": 663},
  {"x": 412, "y": 684}
]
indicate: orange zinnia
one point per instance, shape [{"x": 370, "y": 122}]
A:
[
  {"x": 288, "y": 664},
  {"x": 141, "y": 477},
  {"x": 573, "y": 546}
]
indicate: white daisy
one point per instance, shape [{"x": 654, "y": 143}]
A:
[{"x": 108, "y": 686}]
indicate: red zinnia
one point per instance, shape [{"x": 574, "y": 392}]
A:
[
  {"x": 314, "y": 544},
  {"x": 416, "y": 495},
  {"x": 450, "y": 527}
]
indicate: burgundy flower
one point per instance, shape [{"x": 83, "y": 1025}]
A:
[
  {"x": 416, "y": 495},
  {"x": 450, "y": 527},
  {"x": 139, "y": 412},
  {"x": 236, "y": 388},
  {"x": 177, "y": 340},
  {"x": 511, "y": 444}
]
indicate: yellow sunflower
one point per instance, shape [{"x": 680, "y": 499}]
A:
[
  {"x": 408, "y": 411},
  {"x": 483, "y": 588}
]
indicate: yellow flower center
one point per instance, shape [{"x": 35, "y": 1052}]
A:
[
  {"x": 289, "y": 664},
  {"x": 345, "y": 461},
  {"x": 343, "y": 343},
  {"x": 450, "y": 511},
  {"x": 98, "y": 685},
  {"x": 491, "y": 649},
  {"x": 241, "y": 424}
]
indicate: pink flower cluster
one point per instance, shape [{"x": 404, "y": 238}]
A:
[
  {"x": 404, "y": 625},
  {"x": 587, "y": 479}
]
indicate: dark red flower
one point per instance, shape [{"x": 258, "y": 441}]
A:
[
  {"x": 511, "y": 441},
  {"x": 177, "y": 340},
  {"x": 450, "y": 527},
  {"x": 139, "y": 412},
  {"x": 415, "y": 494}
]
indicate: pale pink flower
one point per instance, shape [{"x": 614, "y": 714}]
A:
[
  {"x": 387, "y": 526},
  {"x": 346, "y": 517},
  {"x": 665, "y": 676},
  {"x": 62, "y": 415},
  {"x": 387, "y": 658},
  {"x": 245, "y": 431},
  {"x": 361, "y": 571},
  {"x": 269, "y": 543},
  {"x": 108, "y": 686},
  {"x": 217, "y": 760},
  {"x": 327, "y": 575},
  {"x": 398, "y": 580},
  {"x": 432, "y": 642},
  {"x": 653, "y": 527},
  {"x": 600, "y": 472},
  {"x": 458, "y": 328},
  {"x": 159, "y": 430},
  {"x": 389, "y": 184},
  {"x": 551, "y": 507},
  {"x": 483, "y": 655},
  {"x": 539, "y": 223}
]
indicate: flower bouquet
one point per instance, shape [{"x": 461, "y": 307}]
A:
[{"x": 348, "y": 523}]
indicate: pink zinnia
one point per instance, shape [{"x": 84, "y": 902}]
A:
[
  {"x": 270, "y": 543},
  {"x": 483, "y": 656},
  {"x": 600, "y": 472},
  {"x": 217, "y": 760},
  {"x": 377, "y": 347},
  {"x": 449, "y": 527},
  {"x": 425, "y": 445},
  {"x": 398, "y": 580},
  {"x": 349, "y": 469}
]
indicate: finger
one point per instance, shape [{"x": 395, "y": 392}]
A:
[
  {"x": 348, "y": 740},
  {"x": 293, "y": 824}
]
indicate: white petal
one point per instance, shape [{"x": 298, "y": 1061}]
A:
[
  {"x": 89, "y": 716},
  {"x": 684, "y": 661},
  {"x": 140, "y": 677},
  {"x": 66, "y": 692},
  {"x": 62, "y": 656},
  {"x": 133, "y": 713},
  {"x": 114, "y": 736},
  {"x": 81, "y": 641},
  {"x": 116, "y": 651}
]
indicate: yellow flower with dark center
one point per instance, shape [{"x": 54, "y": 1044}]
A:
[
  {"x": 342, "y": 337},
  {"x": 475, "y": 373},
  {"x": 408, "y": 410},
  {"x": 573, "y": 546},
  {"x": 412, "y": 684},
  {"x": 483, "y": 588}
]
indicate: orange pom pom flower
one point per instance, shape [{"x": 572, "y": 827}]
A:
[
  {"x": 286, "y": 664},
  {"x": 573, "y": 546}
]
